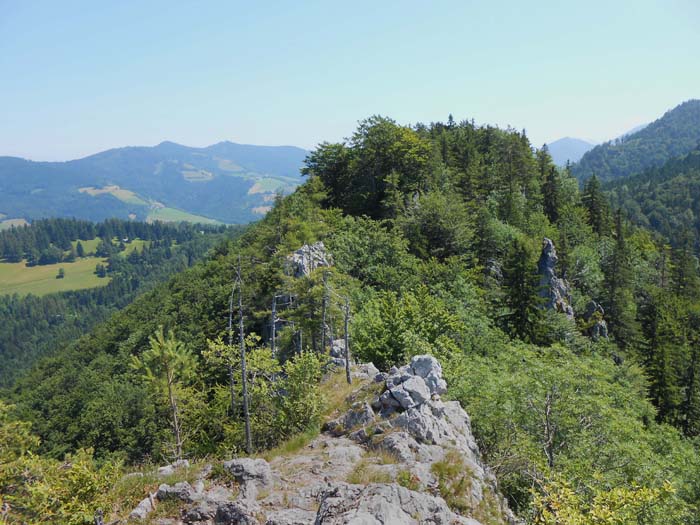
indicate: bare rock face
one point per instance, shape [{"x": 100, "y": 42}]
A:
[
  {"x": 142, "y": 510},
  {"x": 251, "y": 474},
  {"x": 307, "y": 258},
  {"x": 387, "y": 503},
  {"x": 554, "y": 289},
  {"x": 415, "y": 426},
  {"x": 180, "y": 491},
  {"x": 596, "y": 327}
]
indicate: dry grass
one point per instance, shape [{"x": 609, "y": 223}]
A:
[
  {"x": 366, "y": 472},
  {"x": 454, "y": 478},
  {"x": 131, "y": 489},
  {"x": 291, "y": 445},
  {"x": 336, "y": 391}
]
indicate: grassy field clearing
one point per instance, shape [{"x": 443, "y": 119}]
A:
[
  {"x": 41, "y": 280},
  {"x": 173, "y": 215},
  {"x": 123, "y": 195},
  {"x": 89, "y": 246},
  {"x": 9, "y": 223}
]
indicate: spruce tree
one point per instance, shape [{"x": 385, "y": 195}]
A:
[
  {"x": 597, "y": 206},
  {"x": 524, "y": 316}
]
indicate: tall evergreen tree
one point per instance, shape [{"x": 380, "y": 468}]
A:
[
  {"x": 524, "y": 315},
  {"x": 597, "y": 206},
  {"x": 619, "y": 297}
]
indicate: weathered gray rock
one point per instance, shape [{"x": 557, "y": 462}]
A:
[
  {"x": 365, "y": 371},
  {"x": 383, "y": 504},
  {"x": 180, "y": 491},
  {"x": 412, "y": 392},
  {"x": 429, "y": 368},
  {"x": 235, "y": 514},
  {"x": 360, "y": 415},
  {"x": 202, "y": 513},
  {"x": 401, "y": 445},
  {"x": 422, "y": 432},
  {"x": 307, "y": 259},
  {"x": 338, "y": 348},
  {"x": 554, "y": 289},
  {"x": 251, "y": 474},
  {"x": 142, "y": 510},
  {"x": 596, "y": 325},
  {"x": 291, "y": 517},
  {"x": 168, "y": 470}
]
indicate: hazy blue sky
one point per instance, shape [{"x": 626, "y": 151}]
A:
[{"x": 79, "y": 77}]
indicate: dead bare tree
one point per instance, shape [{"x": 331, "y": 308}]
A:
[
  {"x": 229, "y": 363},
  {"x": 347, "y": 341},
  {"x": 244, "y": 379},
  {"x": 324, "y": 307}
]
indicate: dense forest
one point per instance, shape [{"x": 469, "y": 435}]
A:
[
  {"x": 441, "y": 237},
  {"x": 36, "y": 326},
  {"x": 673, "y": 135},
  {"x": 665, "y": 199}
]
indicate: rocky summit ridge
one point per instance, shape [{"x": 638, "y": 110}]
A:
[{"x": 396, "y": 453}]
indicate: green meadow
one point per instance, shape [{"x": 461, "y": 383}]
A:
[{"x": 41, "y": 280}]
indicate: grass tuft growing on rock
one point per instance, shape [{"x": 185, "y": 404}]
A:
[
  {"x": 365, "y": 472},
  {"x": 454, "y": 479}
]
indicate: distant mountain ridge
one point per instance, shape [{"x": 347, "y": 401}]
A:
[
  {"x": 675, "y": 134},
  {"x": 224, "y": 182},
  {"x": 568, "y": 149}
]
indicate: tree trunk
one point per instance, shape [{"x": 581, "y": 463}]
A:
[
  {"x": 231, "y": 379},
  {"x": 177, "y": 431},
  {"x": 244, "y": 379},
  {"x": 347, "y": 342}
]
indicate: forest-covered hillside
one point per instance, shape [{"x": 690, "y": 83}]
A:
[
  {"x": 135, "y": 257},
  {"x": 674, "y": 134},
  {"x": 664, "y": 199},
  {"x": 570, "y": 335}
]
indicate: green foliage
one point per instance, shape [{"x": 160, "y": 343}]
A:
[
  {"x": 665, "y": 200},
  {"x": 523, "y": 317},
  {"x": 41, "y": 490},
  {"x": 437, "y": 225},
  {"x": 434, "y": 232},
  {"x": 538, "y": 415},
  {"x": 390, "y": 328},
  {"x": 674, "y": 134},
  {"x": 559, "y": 503}
]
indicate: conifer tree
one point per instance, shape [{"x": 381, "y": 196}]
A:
[
  {"x": 619, "y": 298},
  {"x": 524, "y": 316},
  {"x": 597, "y": 206},
  {"x": 165, "y": 365},
  {"x": 684, "y": 270}
]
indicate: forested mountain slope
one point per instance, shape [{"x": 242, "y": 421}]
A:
[
  {"x": 578, "y": 366},
  {"x": 226, "y": 182},
  {"x": 676, "y": 133},
  {"x": 34, "y": 327},
  {"x": 665, "y": 199}
]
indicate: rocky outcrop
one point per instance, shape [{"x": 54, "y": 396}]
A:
[
  {"x": 308, "y": 258},
  {"x": 337, "y": 353},
  {"x": 168, "y": 470},
  {"x": 383, "y": 504},
  {"x": 250, "y": 474},
  {"x": 409, "y": 420},
  {"x": 594, "y": 324},
  {"x": 381, "y": 460},
  {"x": 555, "y": 290}
]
